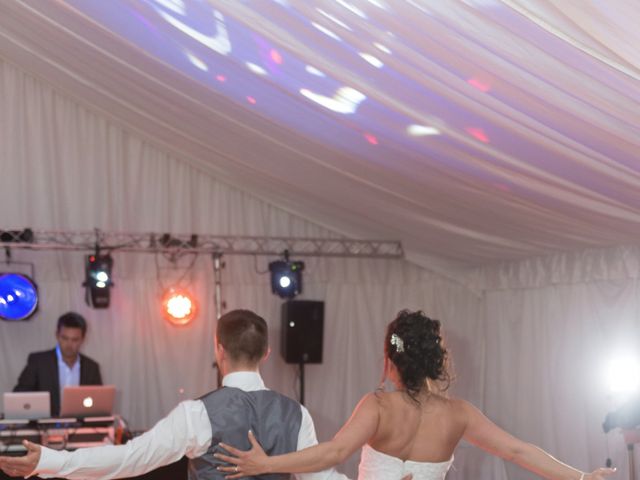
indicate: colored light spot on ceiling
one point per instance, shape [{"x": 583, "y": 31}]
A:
[
  {"x": 478, "y": 134},
  {"x": 275, "y": 56},
  {"x": 481, "y": 85},
  {"x": 371, "y": 138}
]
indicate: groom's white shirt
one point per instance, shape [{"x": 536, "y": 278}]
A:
[{"x": 185, "y": 431}]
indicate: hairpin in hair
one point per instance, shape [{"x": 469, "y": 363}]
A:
[{"x": 397, "y": 341}]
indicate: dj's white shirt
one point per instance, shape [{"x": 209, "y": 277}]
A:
[{"x": 185, "y": 431}]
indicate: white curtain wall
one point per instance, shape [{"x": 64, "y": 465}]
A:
[{"x": 526, "y": 353}]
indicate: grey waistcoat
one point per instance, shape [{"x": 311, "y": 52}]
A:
[{"x": 274, "y": 419}]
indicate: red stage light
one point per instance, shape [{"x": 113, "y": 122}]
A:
[{"x": 178, "y": 306}]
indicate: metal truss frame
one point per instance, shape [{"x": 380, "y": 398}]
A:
[{"x": 178, "y": 244}]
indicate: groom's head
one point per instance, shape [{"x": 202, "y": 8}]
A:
[{"x": 242, "y": 340}]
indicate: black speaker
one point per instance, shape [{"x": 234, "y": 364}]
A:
[{"x": 302, "y": 331}]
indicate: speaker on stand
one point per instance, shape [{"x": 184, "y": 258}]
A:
[{"x": 302, "y": 331}]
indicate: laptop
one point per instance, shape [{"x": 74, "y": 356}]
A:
[
  {"x": 87, "y": 401},
  {"x": 26, "y": 405}
]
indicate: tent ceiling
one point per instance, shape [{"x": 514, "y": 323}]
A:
[{"x": 474, "y": 131}]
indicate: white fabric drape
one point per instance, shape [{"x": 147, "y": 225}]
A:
[
  {"x": 536, "y": 104},
  {"x": 528, "y": 350}
]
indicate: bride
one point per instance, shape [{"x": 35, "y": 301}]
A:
[{"x": 411, "y": 431}]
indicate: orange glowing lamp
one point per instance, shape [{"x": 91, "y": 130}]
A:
[{"x": 178, "y": 306}]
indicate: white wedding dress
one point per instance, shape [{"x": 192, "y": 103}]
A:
[{"x": 375, "y": 465}]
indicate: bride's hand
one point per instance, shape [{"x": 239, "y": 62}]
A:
[
  {"x": 600, "y": 474},
  {"x": 247, "y": 463}
]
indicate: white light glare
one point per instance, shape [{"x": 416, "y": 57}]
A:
[
  {"x": 624, "y": 375},
  {"x": 179, "y": 306},
  {"x": 382, "y": 47},
  {"x": 101, "y": 284},
  {"x": 375, "y": 61},
  {"x": 102, "y": 276},
  {"x": 314, "y": 71},
  {"x": 352, "y": 8},
  {"x": 285, "y": 281},
  {"x": 257, "y": 69},
  {"x": 422, "y": 130},
  {"x": 197, "y": 62},
  {"x": 177, "y": 6},
  {"x": 334, "y": 19},
  {"x": 346, "y": 99},
  {"x": 326, "y": 31}
]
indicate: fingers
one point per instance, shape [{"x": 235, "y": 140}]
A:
[
  {"x": 30, "y": 446},
  {"x": 225, "y": 458},
  {"x": 408, "y": 477},
  {"x": 233, "y": 451},
  {"x": 252, "y": 440}
]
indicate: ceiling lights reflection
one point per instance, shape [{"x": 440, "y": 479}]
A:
[
  {"x": 382, "y": 48},
  {"x": 422, "y": 130},
  {"x": 176, "y": 6},
  {"x": 257, "y": 69},
  {"x": 314, "y": 71},
  {"x": 370, "y": 59},
  {"x": 378, "y": 4},
  {"x": 326, "y": 31},
  {"x": 334, "y": 19},
  {"x": 345, "y": 100},
  {"x": 219, "y": 42},
  {"x": 352, "y": 8},
  {"x": 197, "y": 62}
]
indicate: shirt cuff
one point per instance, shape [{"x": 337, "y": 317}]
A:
[{"x": 51, "y": 462}]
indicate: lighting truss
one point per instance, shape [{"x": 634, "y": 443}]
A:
[{"x": 212, "y": 244}]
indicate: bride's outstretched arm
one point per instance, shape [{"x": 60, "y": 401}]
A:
[
  {"x": 485, "y": 434},
  {"x": 353, "y": 435}
]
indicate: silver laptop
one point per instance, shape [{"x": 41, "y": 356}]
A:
[
  {"x": 87, "y": 401},
  {"x": 26, "y": 405}
]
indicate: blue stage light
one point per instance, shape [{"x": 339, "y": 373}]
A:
[
  {"x": 18, "y": 297},
  {"x": 286, "y": 277}
]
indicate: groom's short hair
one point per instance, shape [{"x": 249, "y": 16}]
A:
[{"x": 244, "y": 335}]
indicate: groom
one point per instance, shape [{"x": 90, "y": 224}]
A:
[{"x": 195, "y": 427}]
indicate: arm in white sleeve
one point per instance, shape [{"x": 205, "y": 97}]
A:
[
  {"x": 307, "y": 438},
  {"x": 185, "y": 431}
]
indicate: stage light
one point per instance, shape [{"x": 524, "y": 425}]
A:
[
  {"x": 178, "y": 306},
  {"x": 624, "y": 375},
  {"x": 286, "y": 277},
  {"x": 18, "y": 297},
  {"x": 98, "y": 280}
]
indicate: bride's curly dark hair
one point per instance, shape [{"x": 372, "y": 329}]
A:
[{"x": 417, "y": 351}]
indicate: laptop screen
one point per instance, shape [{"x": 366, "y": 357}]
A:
[
  {"x": 26, "y": 405},
  {"x": 87, "y": 401}
]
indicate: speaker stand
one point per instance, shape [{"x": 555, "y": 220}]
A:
[{"x": 302, "y": 383}]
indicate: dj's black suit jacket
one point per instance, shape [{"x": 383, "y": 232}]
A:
[{"x": 41, "y": 375}]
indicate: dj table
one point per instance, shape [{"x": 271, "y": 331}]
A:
[
  {"x": 71, "y": 434},
  {"x": 59, "y": 433}
]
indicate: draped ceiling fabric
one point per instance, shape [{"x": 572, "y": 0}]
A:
[
  {"x": 496, "y": 139},
  {"x": 535, "y": 106}
]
